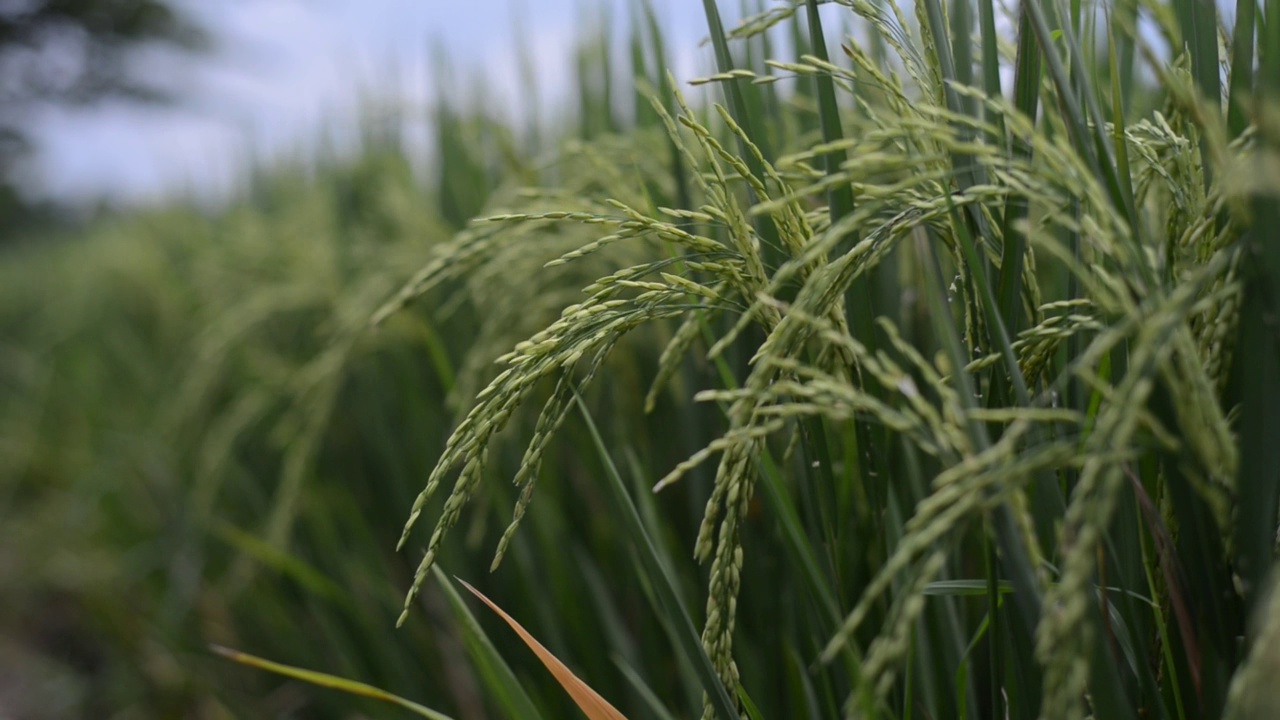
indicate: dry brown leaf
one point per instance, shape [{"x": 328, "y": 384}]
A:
[{"x": 594, "y": 706}]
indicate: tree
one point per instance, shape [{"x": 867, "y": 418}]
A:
[{"x": 75, "y": 52}]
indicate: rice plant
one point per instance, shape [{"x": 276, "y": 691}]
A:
[
  {"x": 919, "y": 361},
  {"x": 974, "y": 343}
]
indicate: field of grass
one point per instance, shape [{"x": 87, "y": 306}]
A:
[{"x": 921, "y": 361}]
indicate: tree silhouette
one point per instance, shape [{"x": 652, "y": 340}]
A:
[{"x": 75, "y": 52}]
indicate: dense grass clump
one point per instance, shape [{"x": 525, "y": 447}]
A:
[
  {"x": 178, "y": 388},
  {"x": 947, "y": 343}
]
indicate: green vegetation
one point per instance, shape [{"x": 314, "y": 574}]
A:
[{"x": 951, "y": 351}]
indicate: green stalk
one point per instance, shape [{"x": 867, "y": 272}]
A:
[
  {"x": 1258, "y": 359},
  {"x": 499, "y": 680},
  {"x": 663, "y": 81},
  {"x": 1199, "y": 25},
  {"x": 1242, "y": 57},
  {"x": 1022, "y": 574},
  {"x": 664, "y": 585},
  {"x": 747, "y": 120},
  {"x": 839, "y": 197},
  {"x": 1093, "y": 146},
  {"x": 1026, "y": 93},
  {"x": 991, "y": 66},
  {"x": 996, "y": 641}
]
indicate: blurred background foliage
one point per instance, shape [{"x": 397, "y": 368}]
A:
[{"x": 203, "y": 441}]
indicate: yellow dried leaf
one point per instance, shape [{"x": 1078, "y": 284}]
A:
[{"x": 594, "y": 706}]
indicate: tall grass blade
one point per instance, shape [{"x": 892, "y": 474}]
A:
[
  {"x": 749, "y": 121},
  {"x": 325, "y": 680},
  {"x": 651, "y": 699},
  {"x": 1094, "y": 146},
  {"x": 1240, "y": 88},
  {"x": 1258, "y": 363},
  {"x": 1015, "y": 554},
  {"x": 1198, "y": 20},
  {"x": 663, "y": 584},
  {"x": 1026, "y": 94},
  {"x": 500, "y": 681},
  {"x": 840, "y": 196}
]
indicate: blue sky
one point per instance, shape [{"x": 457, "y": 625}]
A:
[{"x": 284, "y": 70}]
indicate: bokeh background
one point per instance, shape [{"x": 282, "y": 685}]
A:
[{"x": 201, "y": 439}]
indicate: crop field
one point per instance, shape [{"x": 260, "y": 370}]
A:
[{"x": 918, "y": 360}]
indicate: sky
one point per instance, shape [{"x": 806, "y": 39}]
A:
[{"x": 283, "y": 72}]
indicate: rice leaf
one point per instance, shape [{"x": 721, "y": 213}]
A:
[
  {"x": 589, "y": 701},
  {"x": 325, "y": 680}
]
